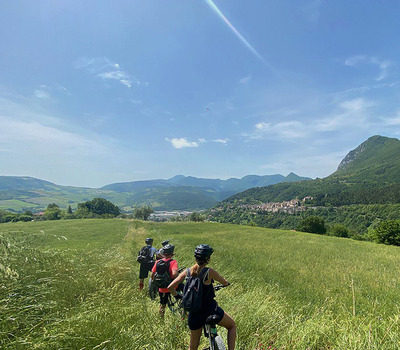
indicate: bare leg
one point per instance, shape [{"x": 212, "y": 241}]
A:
[
  {"x": 141, "y": 283},
  {"x": 162, "y": 310},
  {"x": 228, "y": 322},
  {"x": 195, "y": 339}
]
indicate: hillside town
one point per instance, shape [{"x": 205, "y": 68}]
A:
[{"x": 289, "y": 207}]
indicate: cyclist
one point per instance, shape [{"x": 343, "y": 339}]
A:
[
  {"x": 160, "y": 251},
  {"x": 196, "y": 320},
  {"x": 168, "y": 253},
  {"x": 146, "y": 266}
]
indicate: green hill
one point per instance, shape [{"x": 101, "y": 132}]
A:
[
  {"x": 370, "y": 174},
  {"x": 73, "y": 284},
  {"x": 376, "y": 160},
  {"x": 364, "y": 190}
]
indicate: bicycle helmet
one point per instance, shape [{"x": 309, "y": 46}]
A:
[
  {"x": 168, "y": 249},
  {"x": 203, "y": 251},
  {"x": 149, "y": 240},
  {"x": 164, "y": 243}
]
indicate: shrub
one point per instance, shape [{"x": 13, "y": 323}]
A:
[
  {"x": 339, "y": 230},
  {"x": 387, "y": 232},
  {"x": 312, "y": 224},
  {"x": 97, "y": 207}
]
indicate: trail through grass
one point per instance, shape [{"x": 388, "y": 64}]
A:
[{"x": 73, "y": 284}]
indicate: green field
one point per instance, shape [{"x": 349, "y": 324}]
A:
[{"x": 73, "y": 285}]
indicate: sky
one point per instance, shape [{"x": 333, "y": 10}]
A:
[{"x": 97, "y": 92}]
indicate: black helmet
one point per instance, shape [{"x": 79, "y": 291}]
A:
[
  {"x": 164, "y": 243},
  {"x": 203, "y": 251},
  {"x": 168, "y": 249},
  {"x": 149, "y": 241}
]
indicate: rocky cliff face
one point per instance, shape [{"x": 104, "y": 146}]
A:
[
  {"x": 366, "y": 150},
  {"x": 351, "y": 156}
]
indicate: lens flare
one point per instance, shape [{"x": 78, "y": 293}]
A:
[{"x": 234, "y": 30}]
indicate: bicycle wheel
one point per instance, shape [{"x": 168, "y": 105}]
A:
[
  {"x": 153, "y": 290},
  {"x": 172, "y": 304},
  {"x": 219, "y": 343}
]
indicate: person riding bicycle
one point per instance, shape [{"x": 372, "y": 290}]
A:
[
  {"x": 196, "y": 320},
  {"x": 168, "y": 253},
  {"x": 147, "y": 253}
]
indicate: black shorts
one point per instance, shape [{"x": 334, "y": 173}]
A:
[
  {"x": 164, "y": 298},
  {"x": 145, "y": 268},
  {"x": 197, "y": 320}
]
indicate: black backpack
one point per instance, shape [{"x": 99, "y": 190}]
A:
[
  {"x": 144, "y": 255},
  {"x": 162, "y": 278},
  {"x": 192, "y": 299}
]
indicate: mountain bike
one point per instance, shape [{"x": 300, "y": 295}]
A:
[
  {"x": 210, "y": 329},
  {"x": 175, "y": 305}
]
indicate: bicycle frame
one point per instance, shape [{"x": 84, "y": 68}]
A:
[{"x": 211, "y": 332}]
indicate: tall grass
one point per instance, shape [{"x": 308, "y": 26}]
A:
[{"x": 74, "y": 285}]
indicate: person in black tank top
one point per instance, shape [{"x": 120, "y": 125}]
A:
[{"x": 196, "y": 320}]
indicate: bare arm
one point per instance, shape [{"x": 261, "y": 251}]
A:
[
  {"x": 216, "y": 276},
  {"x": 176, "y": 282},
  {"x": 174, "y": 273}
]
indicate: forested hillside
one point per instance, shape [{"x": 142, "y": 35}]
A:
[{"x": 365, "y": 188}]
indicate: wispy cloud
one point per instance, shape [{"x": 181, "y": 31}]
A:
[
  {"x": 288, "y": 130},
  {"x": 356, "y": 105},
  {"x": 362, "y": 89},
  {"x": 41, "y": 94},
  {"x": 182, "y": 142},
  {"x": 104, "y": 68},
  {"x": 245, "y": 80},
  {"x": 345, "y": 114},
  {"x": 392, "y": 121},
  {"x": 348, "y": 113},
  {"x": 223, "y": 141},
  {"x": 119, "y": 75},
  {"x": 40, "y": 136},
  {"x": 383, "y": 65},
  {"x": 23, "y": 129}
]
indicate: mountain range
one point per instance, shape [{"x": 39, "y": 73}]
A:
[
  {"x": 369, "y": 174},
  {"x": 177, "y": 193}
]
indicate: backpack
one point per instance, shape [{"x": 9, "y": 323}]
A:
[
  {"x": 192, "y": 299},
  {"x": 162, "y": 278},
  {"x": 144, "y": 255}
]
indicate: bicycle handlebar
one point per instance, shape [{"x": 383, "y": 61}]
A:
[{"x": 220, "y": 286}]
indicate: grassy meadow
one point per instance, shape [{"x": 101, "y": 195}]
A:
[{"x": 73, "y": 284}]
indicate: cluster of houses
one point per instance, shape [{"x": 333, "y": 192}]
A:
[
  {"x": 167, "y": 215},
  {"x": 289, "y": 207}
]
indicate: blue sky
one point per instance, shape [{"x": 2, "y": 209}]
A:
[{"x": 93, "y": 92}]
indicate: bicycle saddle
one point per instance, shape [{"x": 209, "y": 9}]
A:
[{"x": 212, "y": 319}]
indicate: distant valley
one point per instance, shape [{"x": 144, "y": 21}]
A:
[{"x": 177, "y": 193}]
